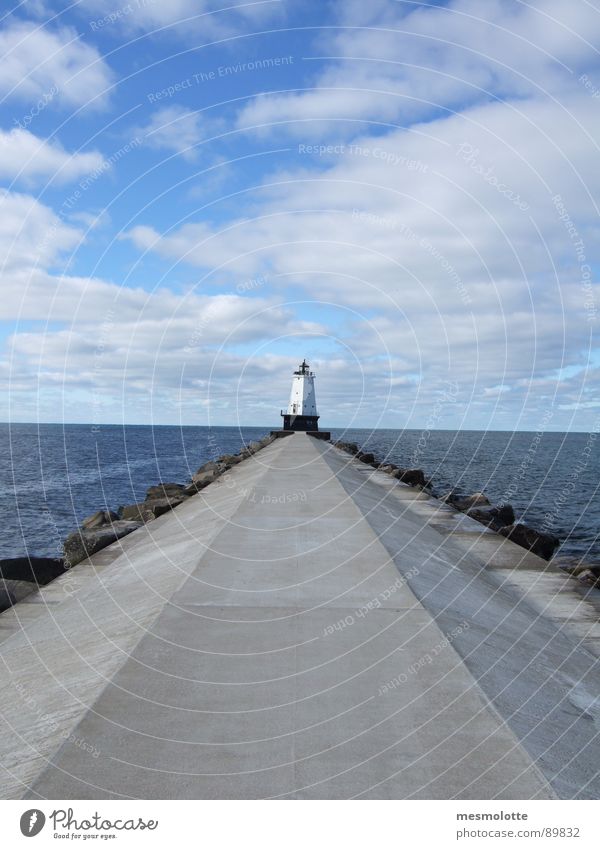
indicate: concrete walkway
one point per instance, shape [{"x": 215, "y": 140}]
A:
[{"x": 259, "y": 642}]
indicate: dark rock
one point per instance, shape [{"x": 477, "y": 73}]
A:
[
  {"x": 195, "y": 487},
  {"x": 366, "y": 457},
  {"x": 160, "y": 506},
  {"x": 573, "y": 565},
  {"x": 537, "y": 542},
  {"x": 590, "y": 577},
  {"x": 38, "y": 570},
  {"x": 202, "y": 479},
  {"x": 349, "y": 447},
  {"x": 449, "y": 497},
  {"x": 83, "y": 543},
  {"x": 230, "y": 459},
  {"x": 466, "y": 502},
  {"x": 165, "y": 490},
  {"x": 412, "y": 477},
  {"x": 101, "y": 517},
  {"x": 12, "y": 592},
  {"x": 7, "y": 599},
  {"x": 152, "y": 508},
  {"x": 493, "y": 516},
  {"x": 137, "y": 512}
]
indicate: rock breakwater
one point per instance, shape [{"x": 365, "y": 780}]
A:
[
  {"x": 499, "y": 517},
  {"x": 22, "y": 575}
]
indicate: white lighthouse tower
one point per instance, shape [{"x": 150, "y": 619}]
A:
[{"x": 301, "y": 413}]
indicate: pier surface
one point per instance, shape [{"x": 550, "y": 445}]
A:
[{"x": 305, "y": 627}]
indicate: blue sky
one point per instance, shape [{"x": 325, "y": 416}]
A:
[{"x": 404, "y": 193}]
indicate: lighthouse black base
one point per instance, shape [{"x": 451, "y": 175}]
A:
[{"x": 291, "y": 422}]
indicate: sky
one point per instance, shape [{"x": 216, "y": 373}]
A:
[{"x": 197, "y": 195}]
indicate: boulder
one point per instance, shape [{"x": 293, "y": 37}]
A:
[
  {"x": 137, "y": 512},
  {"x": 83, "y": 543},
  {"x": 101, "y": 517},
  {"x": 12, "y": 592},
  {"x": 7, "y": 598},
  {"x": 590, "y": 577},
  {"x": 160, "y": 506},
  {"x": 572, "y": 565},
  {"x": 195, "y": 487},
  {"x": 466, "y": 502},
  {"x": 366, "y": 457},
  {"x": 230, "y": 459},
  {"x": 449, "y": 497},
  {"x": 165, "y": 490},
  {"x": 494, "y": 516},
  {"x": 412, "y": 477},
  {"x": 388, "y": 468},
  {"x": 349, "y": 447},
  {"x": 150, "y": 509},
  {"x": 37, "y": 570},
  {"x": 202, "y": 479},
  {"x": 536, "y": 541}
]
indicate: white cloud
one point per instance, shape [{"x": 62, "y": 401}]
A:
[
  {"x": 25, "y": 157},
  {"x": 175, "y": 129},
  {"x": 37, "y": 59},
  {"x": 424, "y": 252},
  {"x": 212, "y": 18},
  {"x": 402, "y": 66},
  {"x": 31, "y": 235}
]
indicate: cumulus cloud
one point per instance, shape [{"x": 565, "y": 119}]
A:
[
  {"x": 31, "y": 235},
  {"x": 395, "y": 65},
  {"x": 38, "y": 59},
  {"x": 173, "y": 128},
  {"x": 443, "y": 247},
  {"x": 437, "y": 227},
  {"x": 29, "y": 159},
  {"x": 210, "y": 17}
]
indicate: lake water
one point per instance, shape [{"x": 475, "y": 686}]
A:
[{"x": 52, "y": 475}]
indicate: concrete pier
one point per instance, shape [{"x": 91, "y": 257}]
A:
[{"x": 305, "y": 627}]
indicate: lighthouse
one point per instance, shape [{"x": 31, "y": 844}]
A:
[{"x": 301, "y": 413}]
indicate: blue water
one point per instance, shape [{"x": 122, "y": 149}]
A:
[
  {"x": 52, "y": 476},
  {"x": 551, "y": 479}
]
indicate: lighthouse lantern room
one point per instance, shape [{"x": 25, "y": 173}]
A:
[{"x": 301, "y": 413}]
